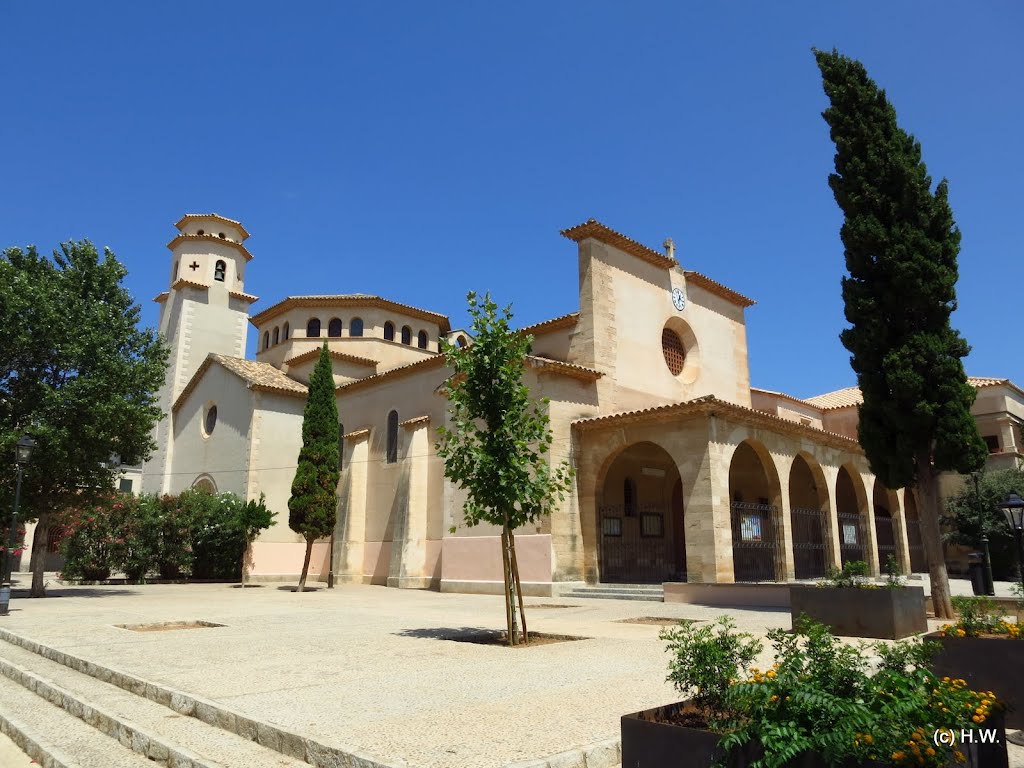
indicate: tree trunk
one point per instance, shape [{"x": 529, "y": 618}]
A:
[
  {"x": 37, "y": 562},
  {"x": 927, "y": 490},
  {"x": 506, "y": 572},
  {"x": 518, "y": 585},
  {"x": 246, "y": 560},
  {"x": 305, "y": 565}
]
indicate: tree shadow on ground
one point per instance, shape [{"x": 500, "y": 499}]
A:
[
  {"x": 288, "y": 588},
  {"x": 23, "y": 594},
  {"x": 447, "y": 633}
]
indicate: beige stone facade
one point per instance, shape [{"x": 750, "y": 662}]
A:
[{"x": 683, "y": 470}]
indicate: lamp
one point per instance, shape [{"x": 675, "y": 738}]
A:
[{"x": 22, "y": 456}]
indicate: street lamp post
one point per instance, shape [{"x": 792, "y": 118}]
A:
[
  {"x": 22, "y": 455},
  {"x": 1013, "y": 508}
]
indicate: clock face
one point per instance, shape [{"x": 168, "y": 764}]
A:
[{"x": 678, "y": 299}]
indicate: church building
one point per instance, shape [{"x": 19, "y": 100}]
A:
[{"x": 683, "y": 471}]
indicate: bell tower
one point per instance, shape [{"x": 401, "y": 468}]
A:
[{"x": 205, "y": 310}]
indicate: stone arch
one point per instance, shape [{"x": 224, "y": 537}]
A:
[
  {"x": 809, "y": 517},
  {"x": 647, "y": 546},
  {"x": 918, "y": 561},
  {"x": 886, "y": 505},
  {"x": 755, "y": 497},
  {"x": 851, "y": 512}
]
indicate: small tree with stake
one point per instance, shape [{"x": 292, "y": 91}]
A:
[
  {"x": 901, "y": 247},
  {"x": 498, "y": 443},
  {"x": 313, "y": 504}
]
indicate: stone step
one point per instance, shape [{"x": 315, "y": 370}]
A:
[
  {"x": 631, "y": 592},
  {"x": 148, "y": 728},
  {"x": 56, "y": 739},
  {"x": 213, "y": 713}
]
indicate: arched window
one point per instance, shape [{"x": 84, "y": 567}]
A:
[
  {"x": 341, "y": 446},
  {"x": 629, "y": 497},
  {"x": 277, "y": 334},
  {"x": 406, "y": 334},
  {"x": 421, "y": 339},
  {"x": 219, "y": 271},
  {"x": 201, "y": 232},
  {"x": 286, "y": 332},
  {"x": 313, "y": 328},
  {"x": 334, "y": 328},
  {"x": 389, "y": 331},
  {"x": 461, "y": 340},
  {"x": 355, "y": 327},
  {"x": 392, "y": 452},
  {"x": 266, "y": 339}
]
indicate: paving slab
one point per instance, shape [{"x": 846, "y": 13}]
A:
[{"x": 362, "y": 667}]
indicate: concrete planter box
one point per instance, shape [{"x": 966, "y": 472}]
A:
[
  {"x": 888, "y": 614},
  {"x": 648, "y": 743},
  {"x": 987, "y": 664}
]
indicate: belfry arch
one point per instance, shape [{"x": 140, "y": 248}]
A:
[{"x": 640, "y": 518}]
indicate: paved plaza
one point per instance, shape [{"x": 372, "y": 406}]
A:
[{"x": 362, "y": 669}]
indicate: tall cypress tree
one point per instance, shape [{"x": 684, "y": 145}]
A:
[
  {"x": 313, "y": 504},
  {"x": 901, "y": 247}
]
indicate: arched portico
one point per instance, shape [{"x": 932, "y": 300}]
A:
[
  {"x": 755, "y": 495},
  {"x": 808, "y": 509},
  {"x": 851, "y": 509},
  {"x": 640, "y": 518},
  {"x": 918, "y": 561},
  {"x": 887, "y": 534}
]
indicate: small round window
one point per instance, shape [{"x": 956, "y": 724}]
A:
[
  {"x": 210, "y": 422},
  {"x": 674, "y": 351}
]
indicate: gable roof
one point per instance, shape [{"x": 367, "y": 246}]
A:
[
  {"x": 258, "y": 376},
  {"x": 554, "y": 324},
  {"x": 715, "y": 287},
  {"x": 344, "y": 357},
  {"x": 595, "y": 229}
]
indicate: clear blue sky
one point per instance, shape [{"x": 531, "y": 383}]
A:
[{"x": 418, "y": 150}]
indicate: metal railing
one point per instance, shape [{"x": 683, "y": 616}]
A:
[
  {"x": 810, "y": 554},
  {"x": 755, "y": 544}
]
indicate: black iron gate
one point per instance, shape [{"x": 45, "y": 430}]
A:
[
  {"x": 851, "y": 537},
  {"x": 754, "y": 541},
  {"x": 885, "y": 535},
  {"x": 637, "y": 548},
  {"x": 809, "y": 551}
]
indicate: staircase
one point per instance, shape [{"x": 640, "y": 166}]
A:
[
  {"x": 66, "y": 712},
  {"x": 651, "y": 592}
]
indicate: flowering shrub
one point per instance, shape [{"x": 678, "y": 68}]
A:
[
  {"x": 821, "y": 695},
  {"x": 978, "y": 617},
  {"x": 197, "y": 533}
]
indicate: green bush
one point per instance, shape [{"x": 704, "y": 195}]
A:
[
  {"x": 853, "y": 574},
  {"x": 92, "y": 541}
]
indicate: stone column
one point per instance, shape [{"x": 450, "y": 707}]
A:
[
  {"x": 785, "y": 523},
  {"x": 899, "y": 519},
  {"x": 411, "y": 546},
  {"x": 708, "y": 512},
  {"x": 835, "y": 555},
  {"x": 871, "y": 534},
  {"x": 350, "y": 532}
]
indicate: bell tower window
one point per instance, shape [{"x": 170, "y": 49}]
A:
[{"x": 219, "y": 271}]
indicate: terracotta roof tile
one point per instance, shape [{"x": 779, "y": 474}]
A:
[
  {"x": 216, "y": 216},
  {"x": 259, "y": 376},
  {"x": 335, "y": 355},
  {"x": 850, "y": 396},
  {"x": 566, "y": 369},
  {"x": 715, "y": 287},
  {"x": 183, "y": 238},
  {"x": 554, "y": 324},
  {"x": 349, "y": 300}
]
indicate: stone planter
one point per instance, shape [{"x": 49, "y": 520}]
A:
[
  {"x": 649, "y": 743},
  {"x": 883, "y": 613},
  {"x": 987, "y": 664}
]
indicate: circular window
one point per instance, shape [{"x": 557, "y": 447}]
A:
[
  {"x": 210, "y": 421},
  {"x": 674, "y": 351}
]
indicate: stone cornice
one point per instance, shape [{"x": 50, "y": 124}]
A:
[
  {"x": 595, "y": 229},
  {"x": 213, "y": 239},
  {"x": 216, "y": 217},
  {"x": 715, "y": 287},
  {"x": 415, "y": 421}
]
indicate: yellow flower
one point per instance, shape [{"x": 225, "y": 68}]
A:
[
  {"x": 960, "y": 633},
  {"x": 869, "y": 738},
  {"x": 930, "y": 752},
  {"x": 773, "y": 698},
  {"x": 976, "y": 719},
  {"x": 897, "y": 756},
  {"x": 770, "y": 674},
  {"x": 959, "y": 756}
]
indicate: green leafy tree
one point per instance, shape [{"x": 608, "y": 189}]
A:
[
  {"x": 314, "y": 504},
  {"x": 973, "y": 513},
  {"x": 901, "y": 247},
  {"x": 78, "y": 373},
  {"x": 497, "y": 447}
]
